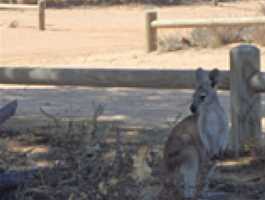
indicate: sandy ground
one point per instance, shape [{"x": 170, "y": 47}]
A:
[{"x": 106, "y": 37}]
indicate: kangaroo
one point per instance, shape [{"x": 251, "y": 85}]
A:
[
  {"x": 196, "y": 139},
  {"x": 212, "y": 120}
]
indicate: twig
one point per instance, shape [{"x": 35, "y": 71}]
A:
[
  {"x": 50, "y": 116},
  {"x": 99, "y": 109},
  {"x": 119, "y": 148},
  {"x": 8, "y": 111}
]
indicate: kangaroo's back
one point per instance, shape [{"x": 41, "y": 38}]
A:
[
  {"x": 184, "y": 134},
  {"x": 181, "y": 161}
]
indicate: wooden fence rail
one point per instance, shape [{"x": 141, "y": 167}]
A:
[
  {"x": 244, "y": 80},
  {"x": 17, "y": 7},
  {"x": 40, "y": 8},
  {"x": 160, "y": 79},
  {"x": 153, "y": 24}
]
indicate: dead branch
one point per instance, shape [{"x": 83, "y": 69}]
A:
[
  {"x": 13, "y": 179},
  {"x": 8, "y": 111},
  {"x": 118, "y": 161},
  {"x": 98, "y": 111},
  {"x": 56, "y": 121}
]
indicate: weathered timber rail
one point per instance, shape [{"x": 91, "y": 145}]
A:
[{"x": 149, "y": 78}]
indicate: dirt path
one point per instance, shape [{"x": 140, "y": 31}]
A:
[
  {"x": 107, "y": 37},
  {"x": 135, "y": 107}
]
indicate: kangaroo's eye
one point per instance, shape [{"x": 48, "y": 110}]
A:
[{"x": 202, "y": 97}]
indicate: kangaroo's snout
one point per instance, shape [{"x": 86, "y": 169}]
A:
[{"x": 193, "y": 108}]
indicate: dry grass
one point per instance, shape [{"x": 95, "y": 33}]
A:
[
  {"x": 205, "y": 38},
  {"x": 218, "y": 36},
  {"x": 172, "y": 42},
  {"x": 106, "y": 167},
  {"x": 201, "y": 37},
  {"x": 86, "y": 161},
  {"x": 213, "y": 38},
  {"x": 258, "y": 36},
  {"x": 262, "y": 8},
  {"x": 13, "y": 24},
  {"x": 84, "y": 172},
  {"x": 99, "y": 161}
]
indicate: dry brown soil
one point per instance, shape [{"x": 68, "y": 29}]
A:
[{"x": 107, "y": 37}]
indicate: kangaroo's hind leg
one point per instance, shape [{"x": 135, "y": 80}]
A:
[{"x": 190, "y": 171}]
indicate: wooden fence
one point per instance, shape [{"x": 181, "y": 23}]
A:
[
  {"x": 244, "y": 80},
  {"x": 152, "y": 24},
  {"x": 40, "y": 8}
]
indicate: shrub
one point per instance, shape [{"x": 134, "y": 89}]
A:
[
  {"x": 210, "y": 38},
  {"x": 172, "y": 42},
  {"x": 203, "y": 37},
  {"x": 216, "y": 37},
  {"x": 258, "y": 35},
  {"x": 213, "y": 38}
]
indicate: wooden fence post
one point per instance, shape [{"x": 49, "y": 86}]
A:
[
  {"x": 151, "y": 33},
  {"x": 245, "y": 102},
  {"x": 42, "y": 7},
  {"x": 215, "y": 2}
]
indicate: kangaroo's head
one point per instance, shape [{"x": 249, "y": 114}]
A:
[{"x": 205, "y": 92}]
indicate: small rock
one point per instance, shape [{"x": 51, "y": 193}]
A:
[{"x": 13, "y": 24}]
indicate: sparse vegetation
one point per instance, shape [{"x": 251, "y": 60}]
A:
[
  {"x": 113, "y": 166},
  {"x": 172, "y": 42},
  {"x": 216, "y": 37},
  {"x": 262, "y": 8},
  {"x": 86, "y": 160},
  {"x": 258, "y": 35},
  {"x": 13, "y": 24},
  {"x": 213, "y": 38},
  {"x": 203, "y": 37}
]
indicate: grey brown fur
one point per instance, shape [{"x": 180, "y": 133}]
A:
[{"x": 195, "y": 140}]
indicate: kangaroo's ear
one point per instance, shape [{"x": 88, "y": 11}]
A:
[
  {"x": 214, "y": 77},
  {"x": 201, "y": 76}
]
